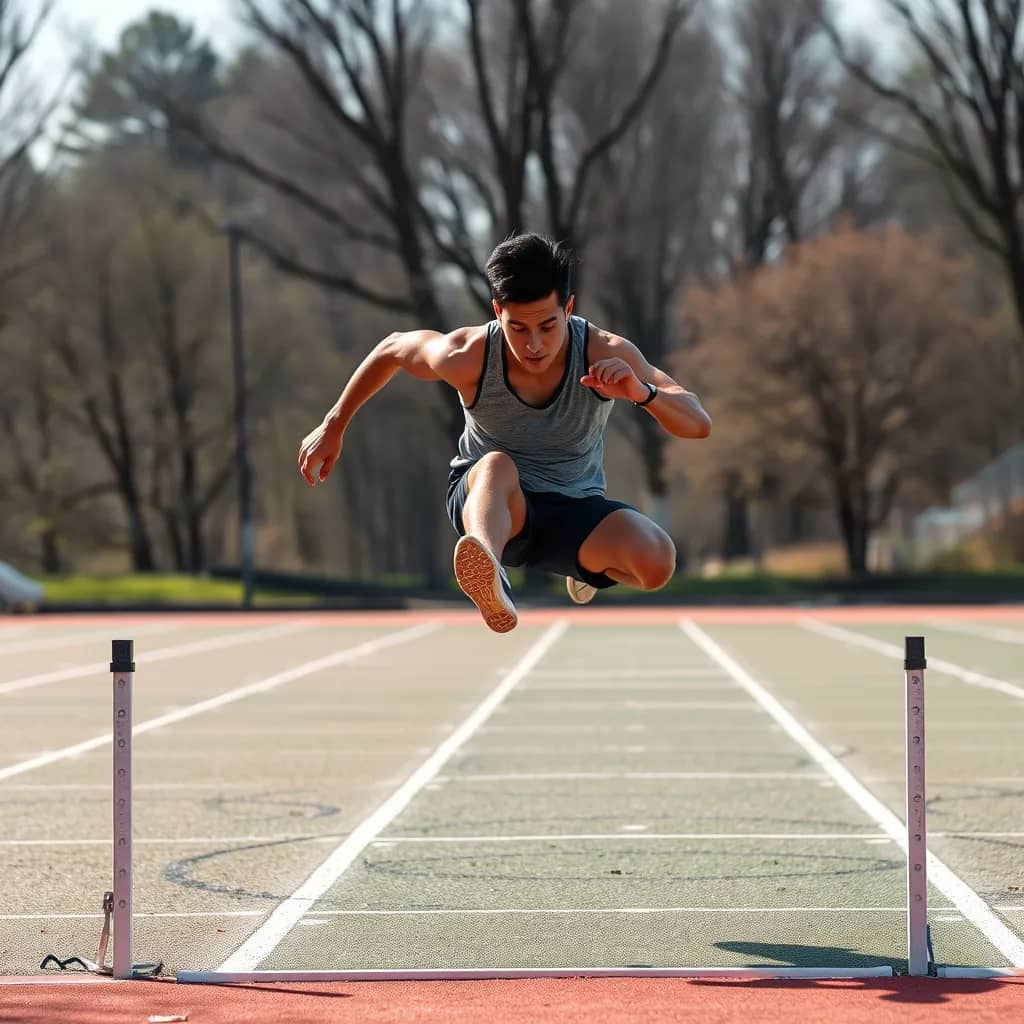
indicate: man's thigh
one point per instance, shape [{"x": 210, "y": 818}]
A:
[{"x": 622, "y": 540}]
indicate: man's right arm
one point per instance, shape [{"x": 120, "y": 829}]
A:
[{"x": 426, "y": 355}]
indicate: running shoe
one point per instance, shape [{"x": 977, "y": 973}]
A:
[
  {"x": 580, "y": 592},
  {"x": 484, "y": 582}
]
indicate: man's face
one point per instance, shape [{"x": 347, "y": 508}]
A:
[{"x": 535, "y": 331}]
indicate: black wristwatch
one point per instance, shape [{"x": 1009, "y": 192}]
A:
[{"x": 651, "y": 397}]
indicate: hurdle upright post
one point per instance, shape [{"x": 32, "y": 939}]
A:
[
  {"x": 122, "y": 665},
  {"x": 918, "y": 954}
]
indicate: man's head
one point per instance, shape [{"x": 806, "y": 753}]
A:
[{"x": 531, "y": 292}]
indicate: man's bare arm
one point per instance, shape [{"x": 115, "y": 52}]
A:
[
  {"x": 426, "y": 355},
  {"x": 620, "y": 369}
]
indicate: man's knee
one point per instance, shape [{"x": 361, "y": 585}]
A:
[
  {"x": 497, "y": 469},
  {"x": 655, "y": 560}
]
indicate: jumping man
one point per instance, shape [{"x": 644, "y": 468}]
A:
[{"x": 537, "y": 385}]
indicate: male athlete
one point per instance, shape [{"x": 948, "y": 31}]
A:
[{"x": 537, "y": 385}]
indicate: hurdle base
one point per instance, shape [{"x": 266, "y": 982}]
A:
[
  {"x": 980, "y": 972},
  {"x": 496, "y": 974}
]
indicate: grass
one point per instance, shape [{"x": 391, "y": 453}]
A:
[
  {"x": 158, "y": 588},
  {"x": 171, "y": 590}
]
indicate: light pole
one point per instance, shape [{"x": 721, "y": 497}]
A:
[{"x": 246, "y": 529}]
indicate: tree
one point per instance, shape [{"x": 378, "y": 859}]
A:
[
  {"x": 121, "y": 100},
  {"x": 860, "y": 382},
  {"x": 964, "y": 92},
  {"x": 651, "y": 223},
  {"x": 415, "y": 190},
  {"x": 23, "y": 117}
]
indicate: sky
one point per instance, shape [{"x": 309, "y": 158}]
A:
[{"x": 103, "y": 20}]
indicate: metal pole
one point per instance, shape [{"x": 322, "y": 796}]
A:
[
  {"x": 122, "y": 666},
  {"x": 246, "y": 529},
  {"x": 918, "y": 958}
]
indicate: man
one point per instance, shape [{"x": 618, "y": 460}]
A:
[{"x": 537, "y": 385}]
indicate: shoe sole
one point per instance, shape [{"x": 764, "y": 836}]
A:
[
  {"x": 477, "y": 575},
  {"x": 590, "y": 592}
]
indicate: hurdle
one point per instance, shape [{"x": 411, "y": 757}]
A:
[{"x": 920, "y": 955}]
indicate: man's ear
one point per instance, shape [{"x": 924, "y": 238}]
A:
[
  {"x": 570, "y": 305},
  {"x": 497, "y": 309}
]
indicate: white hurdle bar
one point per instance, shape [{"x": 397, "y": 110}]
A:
[{"x": 918, "y": 953}]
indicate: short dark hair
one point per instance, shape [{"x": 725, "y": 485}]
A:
[{"x": 528, "y": 267}]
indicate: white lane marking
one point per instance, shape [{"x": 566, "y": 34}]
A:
[
  {"x": 965, "y": 899},
  {"x": 569, "y": 776},
  {"x": 266, "y": 938},
  {"x": 949, "y": 668},
  {"x": 626, "y": 748},
  {"x": 481, "y": 912},
  {"x": 99, "y": 917},
  {"x": 671, "y": 729},
  {"x": 632, "y": 674},
  {"x": 1007, "y": 636},
  {"x": 620, "y": 837},
  {"x": 185, "y": 841},
  {"x": 631, "y": 704},
  {"x": 976, "y": 835},
  {"x": 249, "y": 636},
  {"x": 33, "y": 787},
  {"x": 609, "y": 910},
  {"x": 241, "y": 692},
  {"x": 627, "y": 687},
  {"x": 51, "y": 642}
]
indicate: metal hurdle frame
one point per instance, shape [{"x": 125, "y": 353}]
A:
[
  {"x": 920, "y": 957},
  {"x": 122, "y": 667}
]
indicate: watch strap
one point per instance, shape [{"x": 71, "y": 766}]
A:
[{"x": 651, "y": 396}]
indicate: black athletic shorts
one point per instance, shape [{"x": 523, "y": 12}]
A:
[{"x": 556, "y": 527}]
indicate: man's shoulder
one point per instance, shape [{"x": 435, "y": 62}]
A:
[{"x": 464, "y": 353}]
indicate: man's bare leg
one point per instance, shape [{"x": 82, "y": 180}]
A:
[
  {"x": 631, "y": 549},
  {"x": 493, "y": 513}
]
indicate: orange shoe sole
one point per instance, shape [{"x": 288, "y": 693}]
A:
[{"x": 477, "y": 574}]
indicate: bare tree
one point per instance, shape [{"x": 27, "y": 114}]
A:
[
  {"x": 860, "y": 381},
  {"x": 784, "y": 88},
  {"x": 964, "y": 91},
  {"x": 23, "y": 117},
  {"x": 651, "y": 223}
]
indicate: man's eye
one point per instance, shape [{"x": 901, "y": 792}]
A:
[{"x": 548, "y": 329}]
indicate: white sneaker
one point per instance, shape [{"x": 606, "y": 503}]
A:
[
  {"x": 484, "y": 582},
  {"x": 580, "y": 592}
]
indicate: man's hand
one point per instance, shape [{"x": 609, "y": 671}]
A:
[
  {"x": 319, "y": 452},
  {"x": 614, "y": 378}
]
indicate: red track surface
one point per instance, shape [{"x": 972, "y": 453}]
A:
[
  {"x": 641, "y": 615},
  {"x": 610, "y": 1001}
]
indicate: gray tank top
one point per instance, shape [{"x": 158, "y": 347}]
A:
[{"x": 557, "y": 446}]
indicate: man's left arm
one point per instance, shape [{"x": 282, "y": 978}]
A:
[{"x": 621, "y": 371}]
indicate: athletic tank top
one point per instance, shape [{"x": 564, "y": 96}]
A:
[{"x": 557, "y": 446}]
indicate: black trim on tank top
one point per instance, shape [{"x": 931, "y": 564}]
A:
[
  {"x": 561, "y": 384},
  {"x": 586, "y": 354},
  {"x": 483, "y": 369}
]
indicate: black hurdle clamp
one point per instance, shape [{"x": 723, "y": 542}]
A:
[
  {"x": 122, "y": 653},
  {"x": 914, "y": 654}
]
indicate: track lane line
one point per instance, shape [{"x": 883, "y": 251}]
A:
[
  {"x": 239, "y": 693},
  {"x": 958, "y": 892},
  {"x": 288, "y": 914},
  {"x": 949, "y": 668},
  {"x": 161, "y": 654}
]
